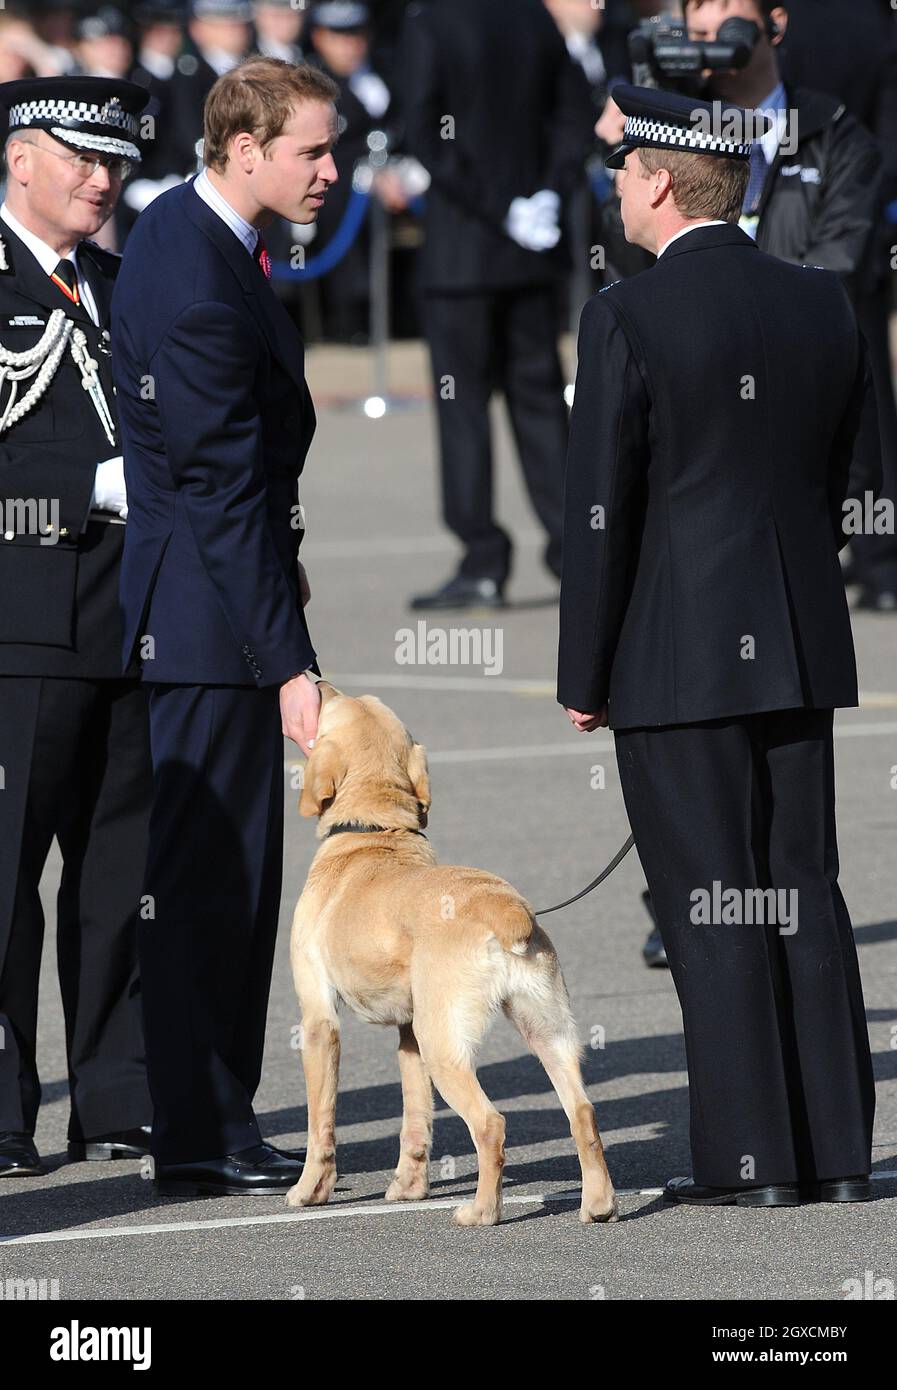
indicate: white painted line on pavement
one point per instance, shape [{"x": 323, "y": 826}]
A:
[{"x": 333, "y": 1213}]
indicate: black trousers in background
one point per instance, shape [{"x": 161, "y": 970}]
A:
[
  {"x": 779, "y": 1066},
  {"x": 75, "y": 759},
  {"x": 500, "y": 340},
  {"x": 876, "y": 556},
  {"x": 213, "y": 876}
]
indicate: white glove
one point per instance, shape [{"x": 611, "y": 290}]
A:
[
  {"x": 533, "y": 222},
  {"x": 109, "y": 493}
]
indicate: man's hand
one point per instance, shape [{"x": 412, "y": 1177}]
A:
[
  {"x": 587, "y": 723},
  {"x": 300, "y": 701},
  {"x": 304, "y": 586}
]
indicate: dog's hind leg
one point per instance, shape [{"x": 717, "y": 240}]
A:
[
  {"x": 412, "y": 1180},
  {"x": 320, "y": 1061},
  {"x": 542, "y": 1016}
]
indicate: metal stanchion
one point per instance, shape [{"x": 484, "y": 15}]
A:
[{"x": 380, "y": 401}]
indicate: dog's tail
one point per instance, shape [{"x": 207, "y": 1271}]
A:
[{"x": 512, "y": 922}]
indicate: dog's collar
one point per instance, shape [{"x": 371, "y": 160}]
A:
[{"x": 367, "y": 829}]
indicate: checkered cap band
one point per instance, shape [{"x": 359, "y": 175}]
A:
[
  {"x": 104, "y": 144},
  {"x": 110, "y": 114},
  {"x": 642, "y": 131}
]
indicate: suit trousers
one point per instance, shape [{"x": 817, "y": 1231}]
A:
[
  {"x": 779, "y": 1067},
  {"x": 212, "y": 889},
  {"x": 480, "y": 342},
  {"x": 75, "y": 763}
]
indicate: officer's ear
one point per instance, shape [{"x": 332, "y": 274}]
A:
[{"x": 324, "y": 771}]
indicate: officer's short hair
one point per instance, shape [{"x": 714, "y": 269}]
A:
[
  {"x": 704, "y": 185},
  {"x": 259, "y": 95}
]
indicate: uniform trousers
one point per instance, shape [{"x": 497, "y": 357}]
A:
[
  {"x": 481, "y": 342},
  {"x": 75, "y": 765},
  {"x": 779, "y": 1068}
]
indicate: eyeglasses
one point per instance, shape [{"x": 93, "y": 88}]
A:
[{"x": 86, "y": 165}]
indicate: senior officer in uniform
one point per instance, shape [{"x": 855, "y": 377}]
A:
[
  {"x": 703, "y": 617},
  {"x": 74, "y": 743}
]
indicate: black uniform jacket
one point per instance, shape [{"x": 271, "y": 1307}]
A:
[
  {"x": 495, "y": 110},
  {"x": 717, "y": 399},
  {"x": 58, "y": 602}
]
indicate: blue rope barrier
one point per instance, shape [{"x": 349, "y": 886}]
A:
[{"x": 337, "y": 246}]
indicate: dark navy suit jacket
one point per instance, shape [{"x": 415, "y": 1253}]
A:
[{"x": 216, "y": 423}]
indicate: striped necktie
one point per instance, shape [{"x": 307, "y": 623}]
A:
[{"x": 65, "y": 278}]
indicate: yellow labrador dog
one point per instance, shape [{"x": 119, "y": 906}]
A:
[{"x": 431, "y": 948}]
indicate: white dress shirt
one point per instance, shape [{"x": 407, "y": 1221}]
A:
[
  {"x": 692, "y": 226},
  {"x": 242, "y": 230}
]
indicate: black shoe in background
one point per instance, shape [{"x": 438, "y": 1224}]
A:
[
  {"x": 877, "y": 600},
  {"x": 461, "y": 592},
  {"x": 653, "y": 950},
  {"x": 18, "y": 1156},
  {"x": 123, "y": 1143}
]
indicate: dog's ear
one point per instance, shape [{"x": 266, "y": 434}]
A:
[
  {"x": 324, "y": 771},
  {"x": 419, "y": 776}
]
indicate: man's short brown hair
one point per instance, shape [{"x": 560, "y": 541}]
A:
[
  {"x": 260, "y": 96},
  {"x": 704, "y": 185}
]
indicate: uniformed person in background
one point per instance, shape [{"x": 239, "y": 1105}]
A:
[
  {"x": 504, "y": 154},
  {"x": 74, "y": 750},
  {"x": 703, "y": 617}
]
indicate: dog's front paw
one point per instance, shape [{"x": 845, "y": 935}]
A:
[
  {"x": 472, "y": 1215},
  {"x": 604, "y": 1210},
  {"x": 312, "y": 1189}
]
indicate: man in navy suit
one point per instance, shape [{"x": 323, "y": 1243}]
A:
[{"x": 217, "y": 420}]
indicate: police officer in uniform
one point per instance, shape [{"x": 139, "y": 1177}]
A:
[
  {"x": 718, "y": 399},
  {"x": 74, "y": 750}
]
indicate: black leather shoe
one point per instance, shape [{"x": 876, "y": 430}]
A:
[
  {"x": 18, "y": 1156},
  {"x": 856, "y": 1189},
  {"x": 257, "y": 1170},
  {"x": 878, "y": 600},
  {"x": 126, "y": 1143},
  {"x": 782, "y": 1194},
  {"x": 461, "y": 592},
  {"x": 297, "y": 1155},
  {"x": 653, "y": 950}
]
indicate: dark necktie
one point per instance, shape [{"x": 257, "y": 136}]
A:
[
  {"x": 262, "y": 257},
  {"x": 65, "y": 279}
]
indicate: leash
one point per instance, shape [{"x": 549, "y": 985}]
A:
[
  {"x": 605, "y": 873},
  {"x": 360, "y": 829}
]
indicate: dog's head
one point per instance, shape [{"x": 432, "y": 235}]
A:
[{"x": 365, "y": 766}]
